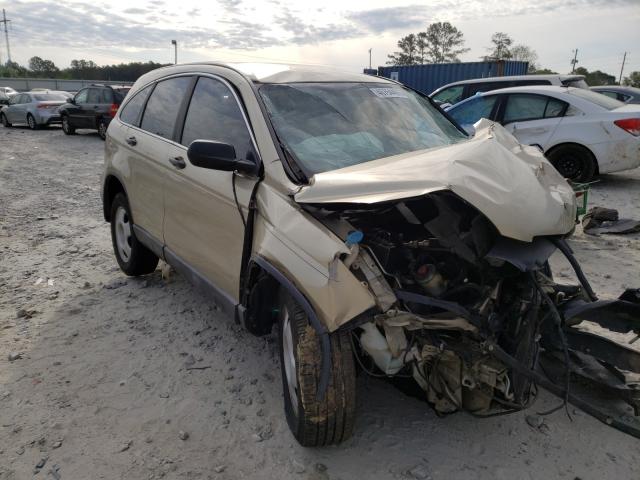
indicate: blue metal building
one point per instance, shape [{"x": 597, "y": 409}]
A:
[{"x": 427, "y": 78}]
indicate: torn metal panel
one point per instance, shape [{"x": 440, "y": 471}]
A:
[{"x": 492, "y": 171}]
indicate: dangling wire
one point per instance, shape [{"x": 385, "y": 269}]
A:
[{"x": 235, "y": 197}]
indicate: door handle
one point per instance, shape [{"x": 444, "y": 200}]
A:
[
  {"x": 132, "y": 141},
  {"x": 178, "y": 162}
]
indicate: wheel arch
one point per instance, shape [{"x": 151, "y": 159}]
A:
[
  {"x": 549, "y": 150},
  {"x": 111, "y": 187},
  {"x": 267, "y": 279}
]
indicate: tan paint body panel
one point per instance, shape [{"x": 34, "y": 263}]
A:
[
  {"x": 302, "y": 248},
  {"x": 492, "y": 171}
]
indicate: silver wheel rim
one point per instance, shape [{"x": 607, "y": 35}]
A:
[
  {"x": 102, "y": 129},
  {"x": 289, "y": 359},
  {"x": 123, "y": 234},
  {"x": 65, "y": 124},
  {"x": 31, "y": 122}
]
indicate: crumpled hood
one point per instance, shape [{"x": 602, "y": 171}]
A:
[{"x": 517, "y": 189}]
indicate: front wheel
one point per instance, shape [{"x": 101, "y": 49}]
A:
[
  {"x": 314, "y": 422},
  {"x": 132, "y": 256},
  {"x": 573, "y": 162},
  {"x": 3, "y": 119},
  {"x": 66, "y": 127}
]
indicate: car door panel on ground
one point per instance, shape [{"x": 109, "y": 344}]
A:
[
  {"x": 532, "y": 119},
  {"x": 192, "y": 194}
]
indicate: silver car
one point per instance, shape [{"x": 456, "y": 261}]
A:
[{"x": 33, "y": 108}]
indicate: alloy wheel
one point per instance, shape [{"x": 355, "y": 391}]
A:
[
  {"x": 289, "y": 359},
  {"x": 123, "y": 234}
]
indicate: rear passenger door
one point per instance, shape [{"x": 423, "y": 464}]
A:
[
  {"x": 532, "y": 118},
  {"x": 203, "y": 227},
  {"x": 150, "y": 147}
]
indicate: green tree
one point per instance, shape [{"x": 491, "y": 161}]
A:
[
  {"x": 501, "y": 49},
  {"x": 596, "y": 78},
  {"x": 42, "y": 68},
  {"x": 544, "y": 71},
  {"x": 444, "y": 43},
  {"x": 633, "y": 80},
  {"x": 524, "y": 53},
  {"x": 408, "y": 51}
]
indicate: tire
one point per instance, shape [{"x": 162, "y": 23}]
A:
[
  {"x": 132, "y": 256},
  {"x": 5, "y": 122},
  {"x": 314, "y": 423},
  {"x": 31, "y": 121},
  {"x": 66, "y": 127},
  {"x": 573, "y": 162},
  {"x": 102, "y": 129}
]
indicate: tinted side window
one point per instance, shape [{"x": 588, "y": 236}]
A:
[
  {"x": 95, "y": 95},
  {"x": 484, "y": 87},
  {"x": 450, "y": 95},
  {"x": 81, "y": 97},
  {"x": 475, "y": 109},
  {"x": 106, "y": 96},
  {"x": 521, "y": 83},
  {"x": 214, "y": 114},
  {"x": 160, "y": 115},
  {"x": 522, "y": 106},
  {"x": 131, "y": 111}
]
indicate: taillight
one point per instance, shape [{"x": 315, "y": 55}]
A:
[
  {"x": 114, "y": 109},
  {"x": 43, "y": 105},
  {"x": 631, "y": 125}
]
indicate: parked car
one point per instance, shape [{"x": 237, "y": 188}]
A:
[
  {"x": 354, "y": 217},
  {"x": 581, "y": 132},
  {"x": 10, "y": 92},
  {"x": 92, "y": 108},
  {"x": 33, "y": 108},
  {"x": 456, "y": 92},
  {"x": 623, "y": 94}
]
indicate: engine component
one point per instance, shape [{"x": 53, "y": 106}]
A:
[
  {"x": 377, "y": 346},
  {"x": 429, "y": 278}
]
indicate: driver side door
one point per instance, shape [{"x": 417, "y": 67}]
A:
[
  {"x": 203, "y": 227},
  {"x": 75, "y": 109}
]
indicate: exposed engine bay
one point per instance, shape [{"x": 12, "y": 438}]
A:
[{"x": 471, "y": 315}]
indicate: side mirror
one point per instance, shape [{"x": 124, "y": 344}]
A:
[
  {"x": 71, "y": 100},
  {"x": 218, "y": 156}
]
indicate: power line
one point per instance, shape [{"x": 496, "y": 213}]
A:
[{"x": 6, "y": 34}]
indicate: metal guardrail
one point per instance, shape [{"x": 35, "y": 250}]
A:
[{"x": 26, "y": 84}]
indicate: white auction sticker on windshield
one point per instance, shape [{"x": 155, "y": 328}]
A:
[{"x": 388, "y": 93}]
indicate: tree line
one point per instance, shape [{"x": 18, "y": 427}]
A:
[
  {"x": 79, "y": 69},
  {"x": 444, "y": 43}
]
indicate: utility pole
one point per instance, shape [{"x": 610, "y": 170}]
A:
[
  {"x": 624, "y": 58},
  {"x": 175, "y": 50},
  {"x": 574, "y": 61},
  {"x": 6, "y": 34},
  {"x": 370, "y": 58}
]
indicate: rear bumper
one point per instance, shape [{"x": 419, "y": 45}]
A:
[{"x": 618, "y": 155}]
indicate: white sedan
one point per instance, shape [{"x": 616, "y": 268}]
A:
[{"x": 581, "y": 132}]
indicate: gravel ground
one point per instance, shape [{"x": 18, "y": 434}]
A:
[{"x": 122, "y": 378}]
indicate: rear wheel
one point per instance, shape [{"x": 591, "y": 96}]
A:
[
  {"x": 66, "y": 127},
  {"x": 102, "y": 129},
  {"x": 573, "y": 162},
  {"x": 3, "y": 119},
  {"x": 132, "y": 256},
  {"x": 32, "y": 122},
  {"x": 314, "y": 422}
]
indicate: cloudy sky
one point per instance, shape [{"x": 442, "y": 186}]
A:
[{"x": 327, "y": 32}]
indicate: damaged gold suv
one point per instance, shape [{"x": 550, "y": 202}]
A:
[{"x": 353, "y": 215}]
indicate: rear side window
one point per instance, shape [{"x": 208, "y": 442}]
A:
[
  {"x": 593, "y": 97},
  {"x": 470, "y": 112},
  {"x": 214, "y": 114},
  {"x": 450, "y": 95},
  {"x": 161, "y": 112},
  {"x": 95, "y": 95},
  {"x": 522, "y": 83},
  {"x": 131, "y": 111},
  {"x": 531, "y": 107},
  {"x": 107, "y": 96},
  {"x": 474, "y": 88}
]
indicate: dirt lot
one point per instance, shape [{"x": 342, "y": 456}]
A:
[{"x": 141, "y": 378}]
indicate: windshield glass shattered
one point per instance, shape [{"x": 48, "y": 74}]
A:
[{"x": 328, "y": 126}]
